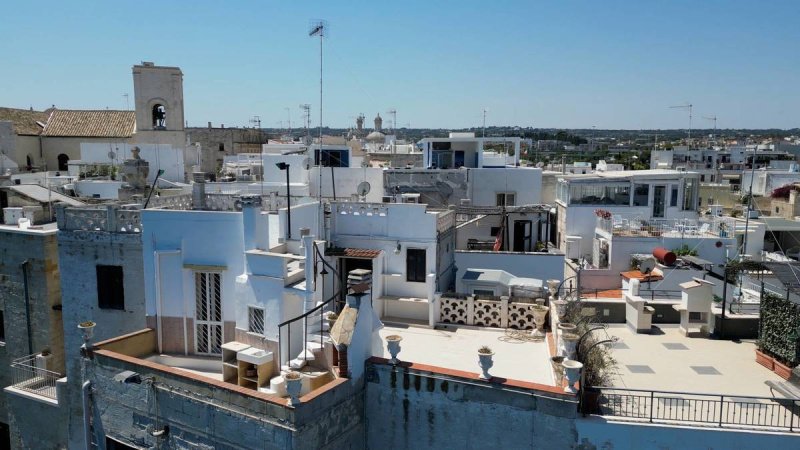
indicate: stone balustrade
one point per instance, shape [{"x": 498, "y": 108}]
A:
[{"x": 503, "y": 313}]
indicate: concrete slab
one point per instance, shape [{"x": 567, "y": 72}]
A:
[
  {"x": 705, "y": 366},
  {"x": 457, "y": 348}
]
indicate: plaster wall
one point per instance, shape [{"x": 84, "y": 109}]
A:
[
  {"x": 160, "y": 157},
  {"x": 525, "y": 182},
  {"x": 347, "y": 181}
]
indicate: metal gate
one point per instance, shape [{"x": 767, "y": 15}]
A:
[{"x": 208, "y": 313}]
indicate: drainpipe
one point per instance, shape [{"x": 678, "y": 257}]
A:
[
  {"x": 25, "y": 264},
  {"x": 86, "y": 390}
]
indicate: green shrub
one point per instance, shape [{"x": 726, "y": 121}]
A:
[{"x": 779, "y": 329}]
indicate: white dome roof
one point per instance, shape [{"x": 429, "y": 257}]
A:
[{"x": 376, "y": 136}]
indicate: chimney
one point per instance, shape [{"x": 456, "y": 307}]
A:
[
  {"x": 199, "y": 190},
  {"x": 209, "y": 124},
  {"x": 251, "y": 209}
]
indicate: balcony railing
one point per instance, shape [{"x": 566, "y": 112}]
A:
[
  {"x": 637, "y": 226},
  {"x": 704, "y": 409},
  {"x": 29, "y": 374}
]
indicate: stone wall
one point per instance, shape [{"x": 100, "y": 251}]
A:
[
  {"x": 216, "y": 143},
  {"x": 79, "y": 253},
  {"x": 419, "y": 409},
  {"x": 40, "y": 250}
]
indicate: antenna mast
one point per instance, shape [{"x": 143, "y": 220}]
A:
[
  {"x": 484, "y": 122},
  {"x": 688, "y": 107},
  {"x": 393, "y": 113},
  {"x": 320, "y": 28},
  {"x": 714, "y": 119}
]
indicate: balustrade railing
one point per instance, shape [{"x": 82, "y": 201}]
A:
[
  {"x": 29, "y": 374},
  {"x": 692, "y": 408}
]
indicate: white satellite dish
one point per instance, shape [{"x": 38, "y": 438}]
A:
[
  {"x": 112, "y": 155},
  {"x": 306, "y": 163},
  {"x": 363, "y": 188}
]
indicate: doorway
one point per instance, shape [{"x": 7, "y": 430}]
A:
[
  {"x": 208, "y": 313},
  {"x": 522, "y": 236},
  {"x": 659, "y": 200}
]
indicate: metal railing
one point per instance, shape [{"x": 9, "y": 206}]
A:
[
  {"x": 619, "y": 225},
  {"x": 28, "y": 374},
  {"x": 692, "y": 408}
]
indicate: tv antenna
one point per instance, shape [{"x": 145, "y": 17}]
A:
[
  {"x": 688, "y": 107},
  {"x": 393, "y": 113},
  {"x": 713, "y": 119},
  {"x": 320, "y": 28},
  {"x": 484, "y": 121},
  {"x": 289, "y": 119},
  {"x": 256, "y": 122},
  {"x": 306, "y": 108}
]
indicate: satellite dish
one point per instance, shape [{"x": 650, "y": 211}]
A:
[
  {"x": 539, "y": 164},
  {"x": 306, "y": 163},
  {"x": 647, "y": 265},
  {"x": 363, "y": 188},
  {"x": 112, "y": 155}
]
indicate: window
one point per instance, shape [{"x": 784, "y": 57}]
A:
[
  {"x": 110, "y": 291},
  {"x": 689, "y": 194},
  {"x": 415, "y": 265},
  {"x": 673, "y": 200},
  {"x": 641, "y": 194},
  {"x": 255, "y": 320},
  {"x": 494, "y": 230},
  {"x": 702, "y": 178},
  {"x": 506, "y": 198},
  {"x": 221, "y": 147}
]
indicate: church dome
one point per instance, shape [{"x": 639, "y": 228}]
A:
[{"x": 376, "y": 136}]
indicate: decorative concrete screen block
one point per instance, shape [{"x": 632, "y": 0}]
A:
[
  {"x": 454, "y": 310},
  {"x": 86, "y": 219},
  {"x": 520, "y": 316},
  {"x": 128, "y": 220},
  {"x": 487, "y": 313}
]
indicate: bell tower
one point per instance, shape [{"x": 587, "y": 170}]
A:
[{"x": 158, "y": 93}]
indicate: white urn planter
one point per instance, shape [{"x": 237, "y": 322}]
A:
[
  {"x": 485, "y": 362},
  {"x": 561, "y": 308},
  {"x": 294, "y": 384},
  {"x": 552, "y": 287},
  {"x": 570, "y": 341},
  {"x": 572, "y": 370},
  {"x": 539, "y": 314},
  {"x": 393, "y": 345}
]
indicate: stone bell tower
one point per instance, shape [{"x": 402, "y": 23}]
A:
[{"x": 158, "y": 92}]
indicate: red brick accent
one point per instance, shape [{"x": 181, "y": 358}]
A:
[{"x": 472, "y": 376}]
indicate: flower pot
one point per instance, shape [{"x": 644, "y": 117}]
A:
[
  {"x": 570, "y": 341},
  {"x": 782, "y": 370},
  {"x": 558, "y": 366},
  {"x": 539, "y": 314},
  {"x": 485, "y": 362},
  {"x": 765, "y": 360},
  {"x": 590, "y": 401},
  {"x": 294, "y": 384},
  {"x": 552, "y": 287},
  {"x": 393, "y": 345},
  {"x": 572, "y": 370},
  {"x": 561, "y": 308}
]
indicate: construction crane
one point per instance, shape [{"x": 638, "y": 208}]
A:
[
  {"x": 688, "y": 107},
  {"x": 714, "y": 119}
]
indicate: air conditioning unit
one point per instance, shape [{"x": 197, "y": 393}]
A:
[{"x": 573, "y": 247}]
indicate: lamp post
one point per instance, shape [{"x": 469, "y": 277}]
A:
[{"x": 285, "y": 166}]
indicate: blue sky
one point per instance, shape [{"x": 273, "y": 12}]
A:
[{"x": 566, "y": 64}]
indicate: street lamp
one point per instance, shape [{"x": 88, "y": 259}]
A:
[{"x": 285, "y": 166}]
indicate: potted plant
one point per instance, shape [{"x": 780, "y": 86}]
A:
[
  {"x": 782, "y": 369},
  {"x": 393, "y": 345},
  {"x": 570, "y": 341},
  {"x": 558, "y": 367},
  {"x": 763, "y": 357},
  {"x": 294, "y": 384},
  {"x": 485, "y": 361}
]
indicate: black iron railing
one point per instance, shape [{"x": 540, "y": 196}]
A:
[{"x": 692, "y": 408}]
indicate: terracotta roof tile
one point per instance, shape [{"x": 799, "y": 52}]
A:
[
  {"x": 24, "y": 120},
  {"x": 354, "y": 252},
  {"x": 89, "y": 123}
]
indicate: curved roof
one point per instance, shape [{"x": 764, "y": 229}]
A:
[{"x": 376, "y": 136}]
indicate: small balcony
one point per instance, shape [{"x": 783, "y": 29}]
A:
[{"x": 30, "y": 374}]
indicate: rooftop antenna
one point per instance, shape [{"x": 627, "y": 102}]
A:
[
  {"x": 306, "y": 108},
  {"x": 289, "y": 119},
  {"x": 256, "y": 122},
  {"x": 393, "y": 113},
  {"x": 484, "y": 121},
  {"x": 687, "y": 106},
  {"x": 127, "y": 101},
  {"x": 714, "y": 119},
  {"x": 320, "y": 28}
]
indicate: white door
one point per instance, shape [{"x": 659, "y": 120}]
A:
[{"x": 208, "y": 313}]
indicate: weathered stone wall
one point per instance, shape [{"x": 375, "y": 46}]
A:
[
  {"x": 408, "y": 409},
  {"x": 79, "y": 253},
  {"x": 40, "y": 250},
  {"x": 233, "y": 140},
  {"x": 201, "y": 415}
]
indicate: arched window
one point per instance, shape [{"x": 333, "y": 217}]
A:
[
  {"x": 62, "y": 162},
  {"x": 159, "y": 116}
]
